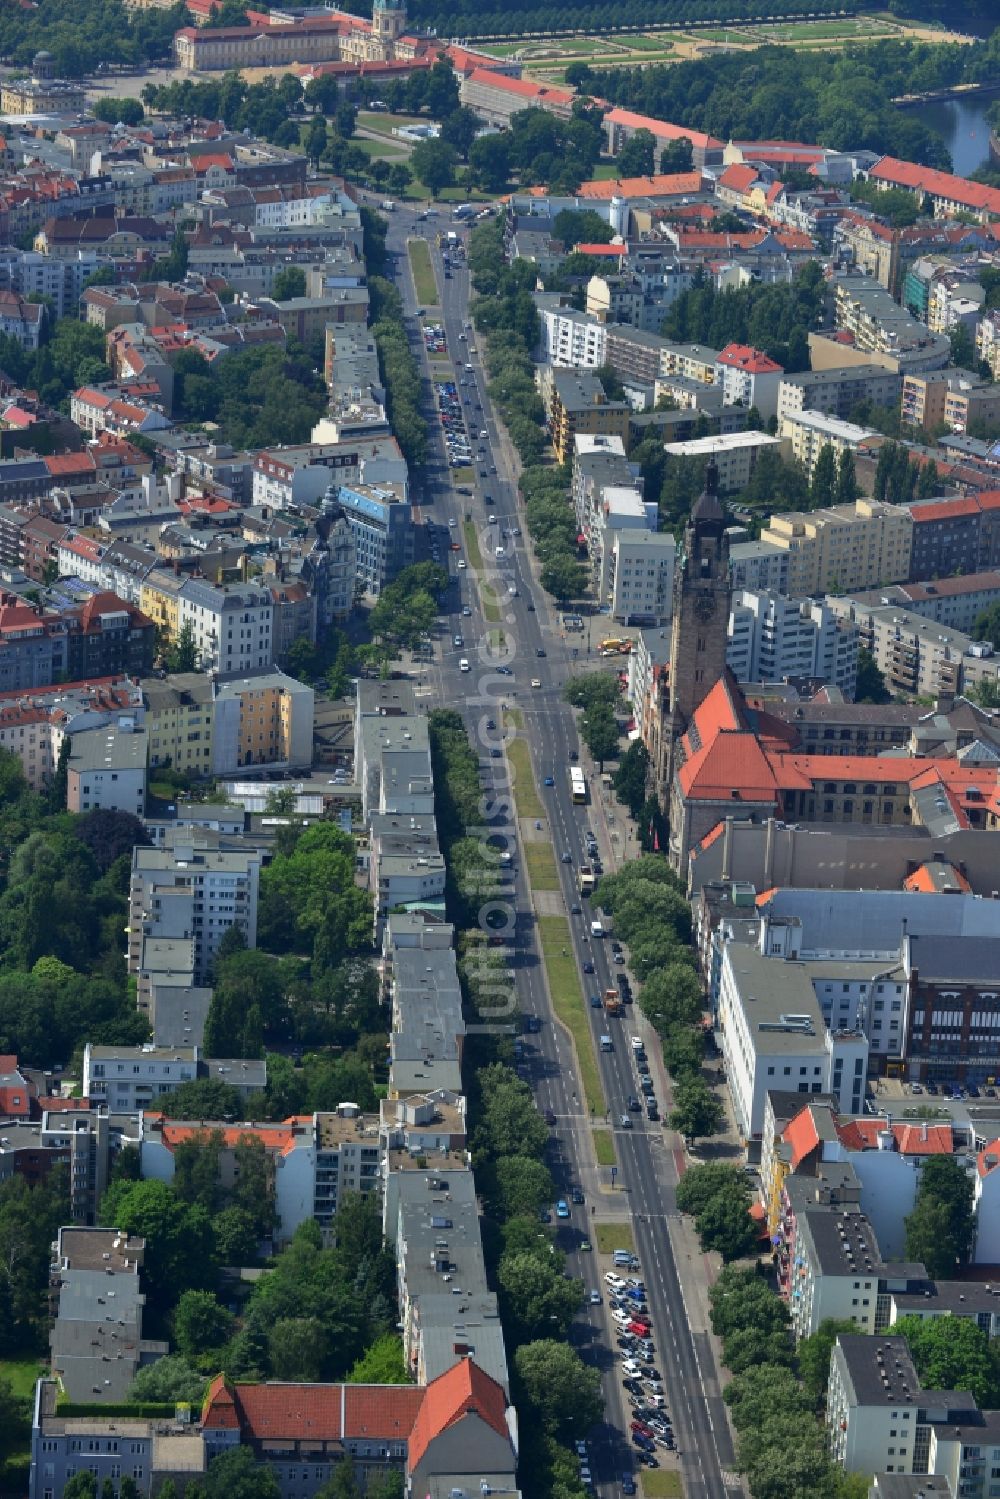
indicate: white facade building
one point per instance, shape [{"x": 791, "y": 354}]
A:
[
  {"x": 773, "y": 638},
  {"x": 572, "y": 338},
  {"x": 774, "y": 1036}
]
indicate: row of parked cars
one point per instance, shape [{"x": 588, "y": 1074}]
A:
[
  {"x": 650, "y": 1426},
  {"x": 456, "y": 438}
]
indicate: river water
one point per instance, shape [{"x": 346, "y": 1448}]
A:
[{"x": 962, "y": 124}]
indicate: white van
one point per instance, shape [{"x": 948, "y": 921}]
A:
[
  {"x": 501, "y": 552},
  {"x": 597, "y": 929},
  {"x": 463, "y": 665}
]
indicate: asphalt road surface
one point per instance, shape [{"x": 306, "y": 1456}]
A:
[{"x": 647, "y": 1169}]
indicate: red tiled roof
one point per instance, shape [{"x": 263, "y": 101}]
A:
[
  {"x": 524, "y": 88},
  {"x": 277, "y": 1137},
  {"x": 988, "y": 1158},
  {"x": 802, "y": 1135},
  {"x": 662, "y": 129},
  {"x": 909, "y": 1139},
  {"x": 731, "y": 767},
  {"x": 463, "y": 1389},
  {"x": 602, "y": 249},
  {"x": 661, "y": 185},
  {"x": 743, "y": 357},
  {"x": 739, "y": 177},
  {"x": 939, "y": 184}
]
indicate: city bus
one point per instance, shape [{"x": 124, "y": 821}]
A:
[{"x": 578, "y": 784}]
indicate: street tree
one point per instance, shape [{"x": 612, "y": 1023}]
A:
[
  {"x": 814, "y": 1352},
  {"x": 433, "y": 162},
  {"x": 537, "y": 1298},
  {"x": 560, "y": 1387},
  {"x": 697, "y": 1111}
]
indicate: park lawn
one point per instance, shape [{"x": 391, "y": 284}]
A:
[
  {"x": 648, "y": 44},
  {"x": 513, "y": 719},
  {"x": 661, "y": 1483},
  {"x": 604, "y": 1147},
  {"x": 556, "y": 942},
  {"x": 23, "y": 1374},
  {"x": 525, "y": 791},
  {"x": 541, "y": 865},
  {"x": 382, "y": 149},
  {"x": 423, "y": 272},
  {"x": 612, "y": 1236},
  {"x": 373, "y": 119},
  {"x": 462, "y": 476},
  {"x": 605, "y": 171}
]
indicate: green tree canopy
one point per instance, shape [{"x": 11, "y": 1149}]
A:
[{"x": 940, "y": 1230}]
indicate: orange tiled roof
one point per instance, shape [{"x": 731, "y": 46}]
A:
[
  {"x": 988, "y": 1158},
  {"x": 744, "y": 357},
  {"x": 277, "y": 1137},
  {"x": 661, "y": 185},
  {"x": 462, "y": 1389},
  {"x": 939, "y": 184},
  {"x": 662, "y": 129},
  {"x": 802, "y": 1135},
  {"x": 739, "y": 177}
]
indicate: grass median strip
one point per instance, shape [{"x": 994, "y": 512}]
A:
[
  {"x": 556, "y": 943},
  {"x": 541, "y": 866},
  {"x": 423, "y": 272},
  {"x": 612, "y": 1236},
  {"x": 475, "y": 558},
  {"x": 664, "y": 1483},
  {"x": 525, "y": 794},
  {"x": 513, "y": 719},
  {"x": 604, "y": 1147}
]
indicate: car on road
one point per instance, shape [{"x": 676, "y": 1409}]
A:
[
  {"x": 614, "y": 1281},
  {"x": 588, "y": 967},
  {"x": 628, "y": 1484},
  {"x": 466, "y": 611},
  {"x": 549, "y": 1117},
  {"x": 565, "y": 858},
  {"x": 581, "y": 1448},
  {"x": 536, "y": 681},
  {"x": 625, "y": 1121},
  {"x": 595, "y": 1298},
  {"x": 595, "y": 1002},
  {"x": 586, "y": 1246},
  {"x": 531, "y": 607},
  {"x": 550, "y": 780},
  {"x": 562, "y": 1209},
  {"x": 576, "y": 910},
  {"x": 540, "y": 652},
  {"x": 577, "y": 1195},
  {"x": 652, "y": 1112},
  {"x": 634, "y": 1106}
]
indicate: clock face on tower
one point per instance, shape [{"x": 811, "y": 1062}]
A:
[{"x": 704, "y": 605}]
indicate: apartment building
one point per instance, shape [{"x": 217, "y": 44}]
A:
[
  {"x": 957, "y": 602},
  {"x": 575, "y": 404},
  {"x": 748, "y": 378},
  {"x": 130, "y": 1079},
  {"x": 758, "y": 564},
  {"x": 809, "y": 432},
  {"x": 774, "y": 1036},
  {"x": 952, "y": 398},
  {"x": 380, "y": 517},
  {"x": 190, "y": 888},
  {"x": 878, "y": 1417},
  {"x": 691, "y": 361},
  {"x": 918, "y": 656},
  {"x": 261, "y": 718},
  {"x": 734, "y": 454},
  {"x": 954, "y": 536},
  {"x": 843, "y": 546},
  {"x": 231, "y": 622},
  {"x": 570, "y": 339},
  {"x": 879, "y": 325},
  {"x": 107, "y": 769},
  {"x": 774, "y": 639},
  {"x": 96, "y": 1339},
  {"x": 838, "y": 391}
]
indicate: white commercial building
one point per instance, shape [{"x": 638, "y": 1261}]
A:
[
  {"x": 773, "y": 638},
  {"x": 809, "y": 432},
  {"x": 572, "y": 338},
  {"x": 191, "y": 888},
  {"x": 774, "y": 1036},
  {"x": 642, "y": 576},
  {"x": 734, "y": 454},
  {"x": 232, "y": 624}
]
